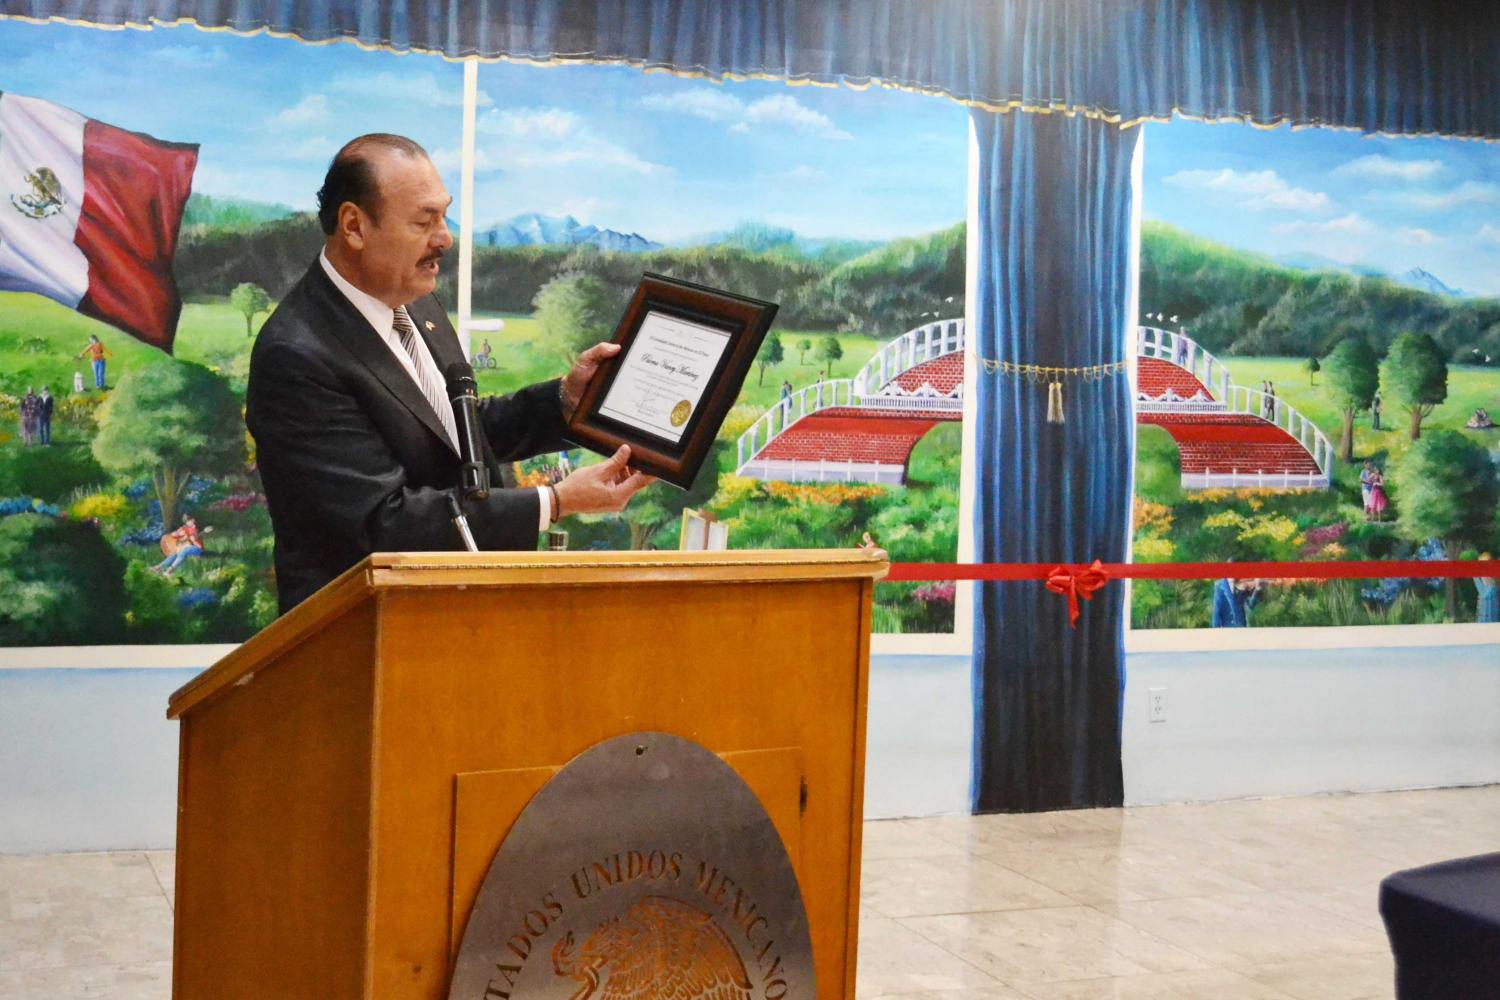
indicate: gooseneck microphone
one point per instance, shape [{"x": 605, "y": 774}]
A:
[{"x": 474, "y": 477}]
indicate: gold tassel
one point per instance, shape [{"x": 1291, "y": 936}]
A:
[{"x": 1054, "y": 403}]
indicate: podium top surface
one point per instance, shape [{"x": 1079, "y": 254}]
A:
[{"x": 386, "y": 571}]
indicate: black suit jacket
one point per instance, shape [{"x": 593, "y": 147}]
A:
[{"x": 352, "y": 457}]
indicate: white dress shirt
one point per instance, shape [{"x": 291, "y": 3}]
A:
[{"x": 382, "y": 318}]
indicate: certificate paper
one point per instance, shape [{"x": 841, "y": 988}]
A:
[{"x": 663, "y": 375}]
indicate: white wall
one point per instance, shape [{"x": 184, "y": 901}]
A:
[
  {"x": 89, "y": 762},
  {"x": 1291, "y": 722}
]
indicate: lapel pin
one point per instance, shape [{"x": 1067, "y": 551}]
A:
[{"x": 430, "y": 325}]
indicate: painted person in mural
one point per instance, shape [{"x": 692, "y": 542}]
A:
[{"x": 355, "y": 435}]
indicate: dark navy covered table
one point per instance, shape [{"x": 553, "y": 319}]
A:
[{"x": 1444, "y": 924}]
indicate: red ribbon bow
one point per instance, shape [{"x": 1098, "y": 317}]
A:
[{"x": 1072, "y": 583}]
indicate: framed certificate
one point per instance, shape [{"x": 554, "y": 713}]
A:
[{"x": 685, "y": 352}]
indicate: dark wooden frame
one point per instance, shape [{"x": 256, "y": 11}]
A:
[{"x": 746, "y": 320}]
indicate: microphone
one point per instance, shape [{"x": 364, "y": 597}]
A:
[{"x": 474, "y": 478}]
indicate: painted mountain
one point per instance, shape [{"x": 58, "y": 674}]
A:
[
  {"x": 1419, "y": 278},
  {"x": 534, "y": 229},
  {"x": 1425, "y": 281},
  {"x": 760, "y": 237}
]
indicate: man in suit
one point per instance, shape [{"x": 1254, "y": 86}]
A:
[{"x": 347, "y": 403}]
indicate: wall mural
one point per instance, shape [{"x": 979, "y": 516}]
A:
[
  {"x": 130, "y": 509},
  {"x": 1317, "y": 360}
]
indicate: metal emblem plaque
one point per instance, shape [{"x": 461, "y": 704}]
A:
[{"x": 645, "y": 869}]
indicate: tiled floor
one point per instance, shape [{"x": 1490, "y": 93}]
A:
[{"x": 1269, "y": 900}]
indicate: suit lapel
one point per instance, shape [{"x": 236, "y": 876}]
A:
[{"x": 353, "y": 331}]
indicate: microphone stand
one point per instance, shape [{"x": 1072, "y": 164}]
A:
[{"x": 461, "y": 523}]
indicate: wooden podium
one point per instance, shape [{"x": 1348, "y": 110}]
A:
[{"x": 346, "y": 776}]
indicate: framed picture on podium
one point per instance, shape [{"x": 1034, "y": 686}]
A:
[{"x": 686, "y": 350}]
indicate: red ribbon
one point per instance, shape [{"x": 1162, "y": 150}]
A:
[
  {"x": 1072, "y": 583},
  {"x": 1343, "y": 570}
]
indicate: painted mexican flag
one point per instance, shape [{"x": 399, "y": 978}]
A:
[{"x": 89, "y": 215}]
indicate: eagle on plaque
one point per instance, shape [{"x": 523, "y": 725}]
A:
[{"x": 658, "y": 949}]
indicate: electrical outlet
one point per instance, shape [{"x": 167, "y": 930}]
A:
[{"x": 1157, "y": 711}]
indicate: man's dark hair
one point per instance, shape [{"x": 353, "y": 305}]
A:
[{"x": 351, "y": 176}]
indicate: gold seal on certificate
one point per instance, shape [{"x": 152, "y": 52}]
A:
[{"x": 686, "y": 352}]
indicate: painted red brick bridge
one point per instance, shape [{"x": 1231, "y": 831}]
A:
[{"x": 865, "y": 428}]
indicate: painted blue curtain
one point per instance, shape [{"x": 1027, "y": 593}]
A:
[
  {"x": 1055, "y": 243},
  {"x": 1401, "y": 66}
]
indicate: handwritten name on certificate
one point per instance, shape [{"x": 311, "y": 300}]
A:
[{"x": 663, "y": 375}]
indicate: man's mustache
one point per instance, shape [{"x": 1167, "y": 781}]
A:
[{"x": 431, "y": 257}]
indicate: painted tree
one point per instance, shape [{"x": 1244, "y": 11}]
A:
[
  {"x": 1312, "y": 366},
  {"x": 830, "y": 350},
  {"x": 169, "y": 421},
  {"x": 61, "y": 583},
  {"x": 770, "y": 354},
  {"x": 1351, "y": 377},
  {"x": 1446, "y": 489},
  {"x": 803, "y": 346},
  {"x": 575, "y": 312},
  {"x": 249, "y": 299},
  {"x": 1415, "y": 374}
]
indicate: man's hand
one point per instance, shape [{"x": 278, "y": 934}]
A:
[
  {"x": 603, "y": 488},
  {"x": 583, "y": 369}
]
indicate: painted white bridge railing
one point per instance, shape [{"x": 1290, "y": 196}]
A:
[
  {"x": 1243, "y": 399},
  {"x": 774, "y": 422},
  {"x": 823, "y": 471},
  {"x": 1184, "y": 352},
  {"x": 912, "y": 348}
]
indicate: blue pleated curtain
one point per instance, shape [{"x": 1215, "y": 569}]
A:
[
  {"x": 1400, "y": 66},
  {"x": 1054, "y": 244},
  {"x": 1054, "y": 232}
]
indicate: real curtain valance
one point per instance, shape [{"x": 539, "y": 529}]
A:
[{"x": 1395, "y": 66}]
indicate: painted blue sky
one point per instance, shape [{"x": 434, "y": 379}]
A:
[
  {"x": 666, "y": 157},
  {"x": 1390, "y": 204},
  {"x": 671, "y": 158}
]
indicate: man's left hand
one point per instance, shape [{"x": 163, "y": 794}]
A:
[{"x": 583, "y": 370}]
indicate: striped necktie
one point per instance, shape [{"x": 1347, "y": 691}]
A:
[{"x": 427, "y": 376}]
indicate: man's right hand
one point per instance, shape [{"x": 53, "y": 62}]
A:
[{"x": 603, "y": 488}]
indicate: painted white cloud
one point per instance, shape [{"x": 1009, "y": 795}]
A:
[
  {"x": 1488, "y": 235},
  {"x": 707, "y": 102},
  {"x": 783, "y": 109},
  {"x": 1467, "y": 193},
  {"x": 776, "y": 111},
  {"x": 1253, "y": 189},
  {"x": 411, "y": 88},
  {"x": 312, "y": 108},
  {"x": 1352, "y": 224},
  {"x": 539, "y": 138},
  {"x": 1416, "y": 235},
  {"x": 1379, "y": 167}
]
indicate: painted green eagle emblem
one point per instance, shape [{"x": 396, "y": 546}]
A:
[{"x": 45, "y": 197}]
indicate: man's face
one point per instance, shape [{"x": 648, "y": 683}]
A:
[{"x": 398, "y": 255}]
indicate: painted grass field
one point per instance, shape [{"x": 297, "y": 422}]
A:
[
  {"x": 1469, "y": 387},
  {"x": 226, "y": 594}
]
